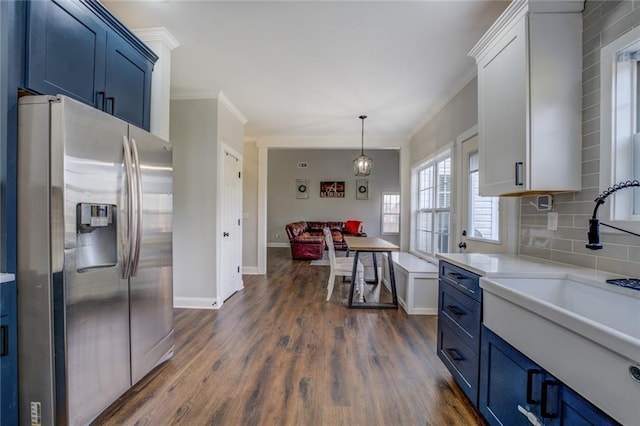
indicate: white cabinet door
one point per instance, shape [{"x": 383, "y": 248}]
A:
[{"x": 502, "y": 112}]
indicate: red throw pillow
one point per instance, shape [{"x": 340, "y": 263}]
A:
[{"x": 352, "y": 226}]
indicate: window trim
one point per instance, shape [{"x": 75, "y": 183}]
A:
[
  {"x": 495, "y": 203},
  {"x": 623, "y": 200},
  {"x": 433, "y": 159},
  {"x": 382, "y": 213}
]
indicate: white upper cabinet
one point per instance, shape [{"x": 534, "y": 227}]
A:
[{"x": 530, "y": 99}]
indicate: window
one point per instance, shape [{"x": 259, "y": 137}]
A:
[
  {"x": 620, "y": 127},
  {"x": 484, "y": 212},
  {"x": 432, "y": 183},
  {"x": 390, "y": 213}
]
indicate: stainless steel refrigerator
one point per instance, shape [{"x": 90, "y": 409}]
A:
[{"x": 94, "y": 272}]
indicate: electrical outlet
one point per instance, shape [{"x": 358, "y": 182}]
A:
[{"x": 552, "y": 221}]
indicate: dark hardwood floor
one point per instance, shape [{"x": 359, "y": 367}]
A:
[{"x": 277, "y": 354}]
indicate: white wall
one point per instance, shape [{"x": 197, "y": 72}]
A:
[
  {"x": 327, "y": 165},
  {"x": 250, "y": 207},
  {"x": 194, "y": 138}
]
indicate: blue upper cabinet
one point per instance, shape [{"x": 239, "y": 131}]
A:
[
  {"x": 128, "y": 82},
  {"x": 77, "y": 48}
]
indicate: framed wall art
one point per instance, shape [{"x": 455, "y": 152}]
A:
[
  {"x": 362, "y": 189},
  {"x": 332, "y": 189},
  {"x": 302, "y": 188}
]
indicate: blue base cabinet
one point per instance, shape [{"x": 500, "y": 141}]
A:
[
  {"x": 77, "y": 48},
  {"x": 459, "y": 317},
  {"x": 514, "y": 390},
  {"x": 8, "y": 355}
]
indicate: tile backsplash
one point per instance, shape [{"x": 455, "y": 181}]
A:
[{"x": 602, "y": 22}]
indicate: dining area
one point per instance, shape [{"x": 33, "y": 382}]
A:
[{"x": 366, "y": 291}]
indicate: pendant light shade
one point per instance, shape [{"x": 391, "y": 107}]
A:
[{"x": 362, "y": 165}]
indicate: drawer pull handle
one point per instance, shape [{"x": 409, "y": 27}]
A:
[
  {"x": 455, "y": 310},
  {"x": 454, "y": 354},
  {"x": 456, "y": 275},
  {"x": 4, "y": 340},
  {"x": 546, "y": 413},
  {"x": 530, "y": 374}
]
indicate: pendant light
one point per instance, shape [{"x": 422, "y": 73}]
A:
[{"x": 362, "y": 165}]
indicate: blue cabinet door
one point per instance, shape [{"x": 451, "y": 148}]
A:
[
  {"x": 128, "y": 82},
  {"x": 65, "y": 51},
  {"x": 510, "y": 384},
  {"x": 8, "y": 355},
  {"x": 577, "y": 411}
]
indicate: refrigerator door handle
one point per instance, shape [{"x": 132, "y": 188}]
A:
[
  {"x": 138, "y": 234},
  {"x": 130, "y": 201}
]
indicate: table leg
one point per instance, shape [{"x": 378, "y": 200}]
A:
[{"x": 354, "y": 273}]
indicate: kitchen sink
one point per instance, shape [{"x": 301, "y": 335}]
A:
[{"x": 585, "y": 332}]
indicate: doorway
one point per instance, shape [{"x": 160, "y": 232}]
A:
[{"x": 230, "y": 254}]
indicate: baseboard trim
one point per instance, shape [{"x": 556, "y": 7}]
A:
[
  {"x": 250, "y": 270},
  {"x": 195, "y": 303},
  {"x": 283, "y": 245}
]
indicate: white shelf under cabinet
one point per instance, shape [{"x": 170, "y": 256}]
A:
[{"x": 529, "y": 99}]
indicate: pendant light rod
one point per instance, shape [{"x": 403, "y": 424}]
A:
[{"x": 362, "y": 117}]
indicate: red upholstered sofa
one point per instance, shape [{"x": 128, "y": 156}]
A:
[{"x": 307, "y": 238}]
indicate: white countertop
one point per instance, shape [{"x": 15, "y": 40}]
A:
[
  {"x": 4, "y": 277},
  {"x": 508, "y": 265}
]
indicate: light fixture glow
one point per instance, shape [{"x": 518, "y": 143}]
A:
[{"x": 362, "y": 165}]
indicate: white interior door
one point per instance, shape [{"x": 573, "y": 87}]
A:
[
  {"x": 231, "y": 247},
  {"x": 483, "y": 220}
]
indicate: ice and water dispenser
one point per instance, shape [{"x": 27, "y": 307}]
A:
[{"x": 96, "y": 236}]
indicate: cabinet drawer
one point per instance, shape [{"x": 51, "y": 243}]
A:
[
  {"x": 461, "y": 313},
  {"x": 465, "y": 281},
  {"x": 460, "y": 360},
  {"x": 7, "y": 298}
]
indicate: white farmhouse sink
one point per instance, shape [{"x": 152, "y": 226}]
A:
[{"x": 584, "y": 332}]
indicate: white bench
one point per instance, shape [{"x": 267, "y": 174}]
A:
[{"x": 416, "y": 283}]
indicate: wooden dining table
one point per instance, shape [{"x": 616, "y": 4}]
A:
[{"x": 372, "y": 245}]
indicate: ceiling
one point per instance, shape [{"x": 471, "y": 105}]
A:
[{"x": 308, "y": 69}]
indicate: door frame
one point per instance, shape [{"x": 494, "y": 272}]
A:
[
  {"x": 220, "y": 175},
  {"x": 509, "y": 206}
]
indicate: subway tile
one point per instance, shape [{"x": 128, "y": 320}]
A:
[
  {"x": 593, "y": 30},
  {"x": 528, "y": 209},
  {"x": 573, "y": 233},
  {"x": 612, "y": 13},
  {"x": 590, "y": 181},
  {"x": 622, "y": 267},
  {"x": 611, "y": 251},
  {"x": 591, "y": 45},
  {"x": 591, "y": 113},
  {"x": 527, "y": 219},
  {"x": 576, "y": 207},
  {"x": 591, "y": 153},
  {"x": 591, "y": 85},
  {"x": 586, "y": 261},
  {"x": 591, "y": 126},
  {"x": 634, "y": 254},
  {"x": 590, "y": 72},
  {"x": 591, "y": 99},
  {"x": 589, "y": 167},
  {"x": 535, "y": 252},
  {"x": 609, "y": 237},
  {"x": 620, "y": 27},
  {"x": 591, "y": 13},
  {"x": 525, "y": 201},
  {"x": 562, "y": 245},
  {"x": 592, "y": 139},
  {"x": 565, "y": 220},
  {"x": 563, "y": 197},
  {"x": 591, "y": 7},
  {"x": 587, "y": 194},
  {"x": 581, "y": 220}
]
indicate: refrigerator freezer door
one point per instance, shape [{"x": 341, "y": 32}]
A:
[
  {"x": 151, "y": 286},
  {"x": 87, "y": 144}
]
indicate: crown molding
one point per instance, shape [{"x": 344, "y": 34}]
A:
[
  {"x": 231, "y": 107},
  {"x": 469, "y": 75},
  {"x": 160, "y": 34},
  {"x": 330, "y": 142},
  {"x": 516, "y": 10},
  {"x": 185, "y": 95}
]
